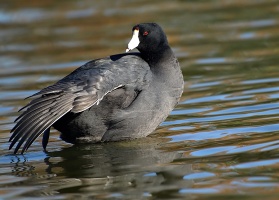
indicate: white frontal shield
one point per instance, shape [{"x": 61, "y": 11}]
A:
[{"x": 134, "y": 42}]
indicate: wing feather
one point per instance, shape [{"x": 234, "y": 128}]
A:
[
  {"x": 37, "y": 106},
  {"x": 39, "y": 100},
  {"x": 40, "y": 128},
  {"x": 36, "y": 122},
  {"x": 24, "y": 126},
  {"x": 34, "y": 112},
  {"x": 83, "y": 88}
]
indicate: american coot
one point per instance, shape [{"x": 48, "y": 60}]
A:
[{"x": 119, "y": 97}]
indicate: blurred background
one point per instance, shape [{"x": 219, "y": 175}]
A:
[{"x": 221, "y": 141}]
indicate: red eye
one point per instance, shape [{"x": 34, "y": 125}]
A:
[{"x": 145, "y": 33}]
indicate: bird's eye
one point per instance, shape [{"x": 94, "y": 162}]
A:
[{"x": 145, "y": 33}]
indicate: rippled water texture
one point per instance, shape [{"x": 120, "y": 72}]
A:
[{"x": 221, "y": 141}]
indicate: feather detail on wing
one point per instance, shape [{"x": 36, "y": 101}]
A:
[
  {"x": 83, "y": 88},
  {"x": 44, "y": 111},
  {"x": 38, "y": 117}
]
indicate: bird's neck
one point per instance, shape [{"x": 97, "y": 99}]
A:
[{"x": 159, "y": 58}]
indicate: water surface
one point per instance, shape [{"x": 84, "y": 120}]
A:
[{"x": 221, "y": 141}]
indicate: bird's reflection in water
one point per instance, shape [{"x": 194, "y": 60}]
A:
[{"x": 134, "y": 165}]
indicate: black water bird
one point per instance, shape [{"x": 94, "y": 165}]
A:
[{"x": 119, "y": 97}]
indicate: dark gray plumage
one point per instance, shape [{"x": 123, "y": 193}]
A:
[{"x": 120, "y": 97}]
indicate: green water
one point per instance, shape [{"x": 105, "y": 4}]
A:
[{"x": 221, "y": 141}]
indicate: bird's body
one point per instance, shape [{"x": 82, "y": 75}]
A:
[{"x": 119, "y": 97}]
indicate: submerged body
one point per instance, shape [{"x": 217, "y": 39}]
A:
[{"x": 120, "y": 97}]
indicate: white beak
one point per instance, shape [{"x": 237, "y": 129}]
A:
[{"x": 134, "y": 42}]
